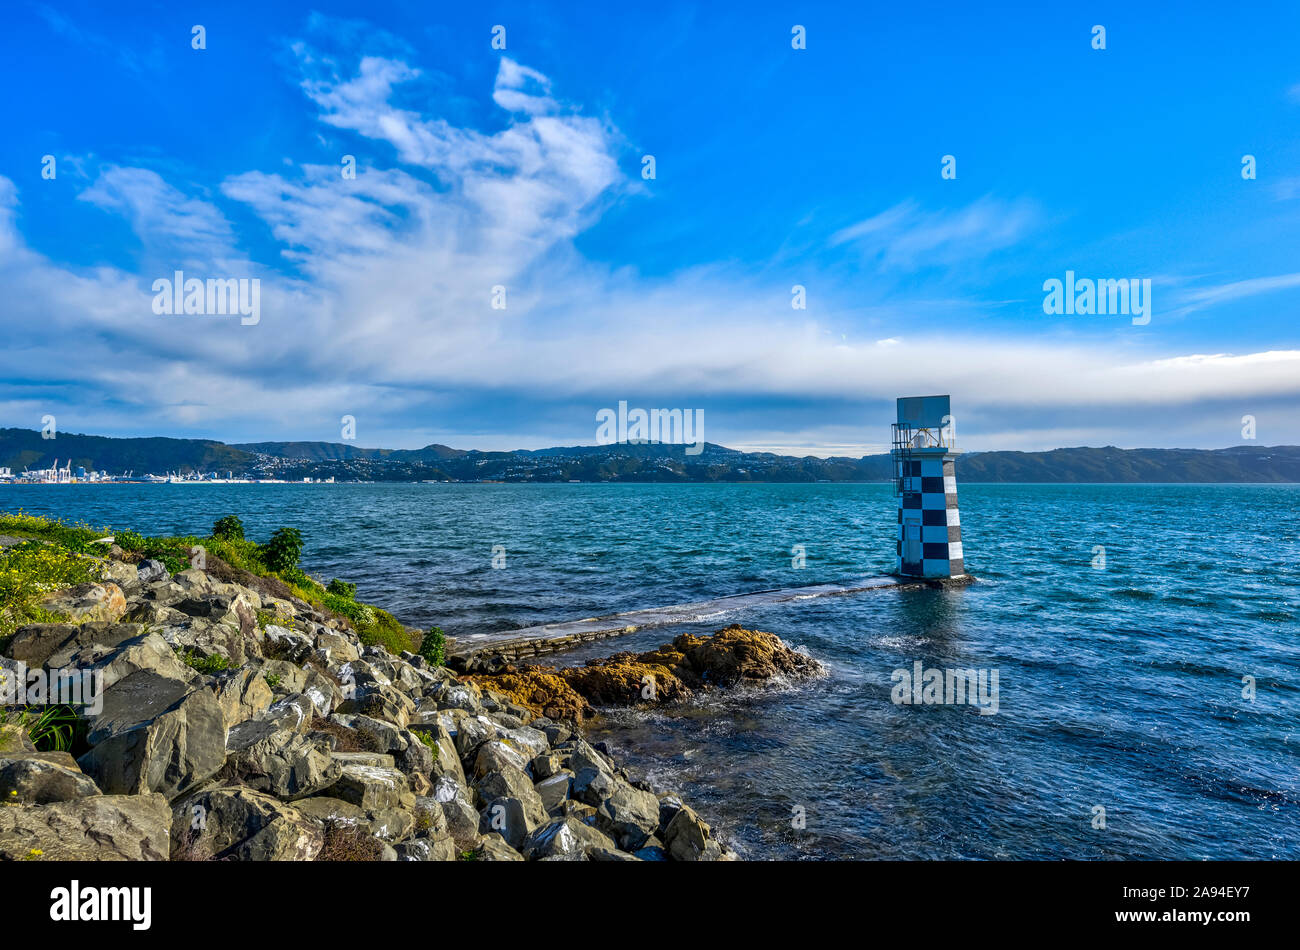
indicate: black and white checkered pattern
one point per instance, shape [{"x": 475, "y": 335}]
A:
[{"x": 929, "y": 525}]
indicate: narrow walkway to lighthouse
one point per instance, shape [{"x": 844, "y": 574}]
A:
[{"x": 551, "y": 637}]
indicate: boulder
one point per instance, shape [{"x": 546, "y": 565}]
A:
[
  {"x": 240, "y": 824},
  {"x": 493, "y": 847},
  {"x": 243, "y": 694},
  {"x": 288, "y": 678},
  {"x": 427, "y": 849},
  {"x": 380, "y": 702},
  {"x": 148, "y": 571},
  {"x": 337, "y": 647},
  {"x": 471, "y": 732},
  {"x": 528, "y": 741},
  {"x": 510, "y": 782},
  {"x": 94, "y": 828},
  {"x": 293, "y": 712},
  {"x": 204, "y": 637},
  {"x": 387, "y": 737},
  {"x": 610, "y": 854},
  {"x": 510, "y": 818},
  {"x": 593, "y": 785},
  {"x": 146, "y": 653},
  {"x": 373, "y": 787},
  {"x": 285, "y": 644},
  {"x": 333, "y": 811},
  {"x": 544, "y": 766},
  {"x": 494, "y": 755},
  {"x": 323, "y": 692},
  {"x": 281, "y": 762},
  {"x": 628, "y": 815},
  {"x": 40, "y": 778},
  {"x": 391, "y": 824},
  {"x": 564, "y": 837},
  {"x": 34, "y": 644},
  {"x": 13, "y": 738},
  {"x": 417, "y": 758},
  {"x": 554, "y": 789},
  {"x": 88, "y": 601},
  {"x": 154, "y": 734},
  {"x": 458, "y": 812},
  {"x": 688, "y": 838}
]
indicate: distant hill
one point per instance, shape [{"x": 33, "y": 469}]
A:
[
  {"x": 24, "y": 448},
  {"x": 335, "y": 451},
  {"x": 1240, "y": 463}
]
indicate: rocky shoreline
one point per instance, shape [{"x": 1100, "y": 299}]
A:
[{"x": 239, "y": 722}]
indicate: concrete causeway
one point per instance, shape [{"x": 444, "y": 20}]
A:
[{"x": 554, "y": 637}]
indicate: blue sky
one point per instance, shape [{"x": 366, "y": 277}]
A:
[{"x": 521, "y": 168}]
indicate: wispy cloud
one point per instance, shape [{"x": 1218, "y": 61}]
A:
[
  {"x": 1198, "y": 298},
  {"x": 163, "y": 217},
  {"x": 905, "y": 237}
]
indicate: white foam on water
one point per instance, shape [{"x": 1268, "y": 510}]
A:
[{"x": 700, "y": 611}]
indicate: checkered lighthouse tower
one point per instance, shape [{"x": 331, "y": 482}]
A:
[{"x": 929, "y": 526}]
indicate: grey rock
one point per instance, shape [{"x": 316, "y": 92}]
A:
[
  {"x": 89, "y": 601},
  {"x": 566, "y": 837},
  {"x": 40, "y": 778},
  {"x": 629, "y": 816},
  {"x": 280, "y": 762},
  {"x": 154, "y": 734},
  {"x": 373, "y": 787},
  {"x": 242, "y": 825},
  {"x": 96, "y": 828},
  {"x": 149, "y": 570},
  {"x": 492, "y": 847},
  {"x": 243, "y": 694},
  {"x": 688, "y": 838},
  {"x": 554, "y": 790},
  {"x": 34, "y": 644}
]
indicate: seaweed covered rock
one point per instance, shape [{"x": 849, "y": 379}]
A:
[
  {"x": 735, "y": 654},
  {"x": 667, "y": 674},
  {"x": 541, "y": 690}
]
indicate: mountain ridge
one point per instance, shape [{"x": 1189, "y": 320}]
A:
[{"x": 638, "y": 462}]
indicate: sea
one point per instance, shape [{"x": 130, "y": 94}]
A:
[{"x": 1143, "y": 640}]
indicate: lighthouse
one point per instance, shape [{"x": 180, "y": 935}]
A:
[{"x": 925, "y": 482}]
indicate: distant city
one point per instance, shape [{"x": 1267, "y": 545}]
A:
[{"x": 80, "y": 475}]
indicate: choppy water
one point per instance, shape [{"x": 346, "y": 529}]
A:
[{"x": 1119, "y": 688}]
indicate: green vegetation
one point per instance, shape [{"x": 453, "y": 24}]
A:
[
  {"x": 206, "y": 665},
  {"x": 427, "y": 738},
  {"x": 51, "y": 728},
  {"x": 434, "y": 646},
  {"x": 229, "y": 528},
  {"x": 30, "y": 570},
  {"x": 281, "y": 553},
  {"x": 342, "y": 589},
  {"x": 272, "y": 680}
]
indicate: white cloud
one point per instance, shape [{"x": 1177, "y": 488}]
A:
[
  {"x": 1199, "y": 298},
  {"x": 384, "y": 310},
  {"x": 905, "y": 237},
  {"x": 164, "y": 218}
]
